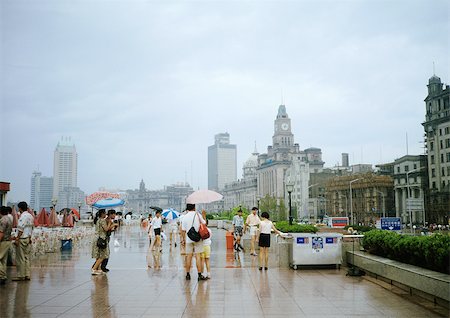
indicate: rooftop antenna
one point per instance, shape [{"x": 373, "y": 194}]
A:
[
  {"x": 255, "y": 151},
  {"x": 434, "y": 69},
  {"x": 282, "y": 99}
]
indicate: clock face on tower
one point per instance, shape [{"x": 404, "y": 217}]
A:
[{"x": 285, "y": 126}]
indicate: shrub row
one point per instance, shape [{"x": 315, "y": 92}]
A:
[
  {"x": 284, "y": 226},
  {"x": 431, "y": 252}
]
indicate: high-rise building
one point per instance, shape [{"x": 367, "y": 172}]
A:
[
  {"x": 437, "y": 139},
  {"x": 41, "y": 191},
  {"x": 222, "y": 162},
  {"x": 64, "y": 167},
  {"x": 345, "y": 162}
]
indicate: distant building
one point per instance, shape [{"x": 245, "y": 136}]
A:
[
  {"x": 242, "y": 192},
  {"x": 273, "y": 165},
  {"x": 345, "y": 161},
  {"x": 410, "y": 186},
  {"x": 41, "y": 191},
  {"x": 371, "y": 197},
  {"x": 222, "y": 162},
  {"x": 64, "y": 168},
  {"x": 437, "y": 140},
  {"x": 71, "y": 197},
  {"x": 174, "y": 196},
  {"x": 4, "y": 188},
  {"x": 361, "y": 168}
]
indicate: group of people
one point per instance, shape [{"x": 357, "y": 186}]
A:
[
  {"x": 260, "y": 230},
  {"x": 259, "y": 227},
  {"x": 20, "y": 239}
]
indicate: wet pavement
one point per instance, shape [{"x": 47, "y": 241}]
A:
[{"x": 62, "y": 286}]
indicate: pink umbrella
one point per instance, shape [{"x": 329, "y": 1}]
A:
[
  {"x": 42, "y": 218},
  {"x": 53, "y": 218},
  {"x": 97, "y": 196},
  {"x": 15, "y": 217},
  {"x": 203, "y": 196}
]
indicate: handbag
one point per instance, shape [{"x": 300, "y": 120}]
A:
[
  {"x": 203, "y": 231},
  {"x": 101, "y": 243},
  {"x": 192, "y": 233}
]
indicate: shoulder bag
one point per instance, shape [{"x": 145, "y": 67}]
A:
[{"x": 192, "y": 233}]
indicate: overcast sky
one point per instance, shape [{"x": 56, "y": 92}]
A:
[{"x": 142, "y": 87}]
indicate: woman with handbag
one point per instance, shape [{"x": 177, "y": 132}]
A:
[{"x": 100, "y": 249}]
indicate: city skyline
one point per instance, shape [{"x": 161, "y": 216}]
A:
[{"x": 143, "y": 97}]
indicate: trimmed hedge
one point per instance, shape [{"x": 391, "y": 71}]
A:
[
  {"x": 359, "y": 228},
  {"x": 431, "y": 252},
  {"x": 284, "y": 226}
]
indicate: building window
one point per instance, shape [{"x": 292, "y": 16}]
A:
[
  {"x": 448, "y": 157},
  {"x": 433, "y": 185},
  {"x": 432, "y": 159},
  {"x": 442, "y": 157},
  {"x": 442, "y": 144},
  {"x": 406, "y": 168},
  {"x": 448, "y": 171},
  {"x": 440, "y": 132},
  {"x": 433, "y": 173},
  {"x": 447, "y": 143},
  {"x": 398, "y": 169},
  {"x": 415, "y": 166},
  {"x": 431, "y": 146}
]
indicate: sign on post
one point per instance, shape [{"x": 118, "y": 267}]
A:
[{"x": 392, "y": 224}]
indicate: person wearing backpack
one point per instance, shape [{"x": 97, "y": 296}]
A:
[{"x": 190, "y": 226}]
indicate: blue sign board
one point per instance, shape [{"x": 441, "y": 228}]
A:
[
  {"x": 392, "y": 224},
  {"x": 300, "y": 240}
]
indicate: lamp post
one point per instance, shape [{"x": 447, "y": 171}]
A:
[
  {"x": 384, "y": 205},
  {"x": 289, "y": 189},
  {"x": 54, "y": 201},
  {"x": 79, "y": 207},
  {"x": 351, "y": 200},
  {"x": 258, "y": 198}
]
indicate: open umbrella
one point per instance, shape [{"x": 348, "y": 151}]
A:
[
  {"x": 108, "y": 203},
  {"x": 170, "y": 214},
  {"x": 97, "y": 196},
  {"x": 42, "y": 218},
  {"x": 156, "y": 208},
  {"x": 203, "y": 196},
  {"x": 75, "y": 211}
]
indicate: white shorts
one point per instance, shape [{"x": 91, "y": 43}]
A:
[
  {"x": 253, "y": 230},
  {"x": 194, "y": 247}
]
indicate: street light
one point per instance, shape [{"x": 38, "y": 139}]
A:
[
  {"x": 384, "y": 205},
  {"x": 79, "y": 207},
  {"x": 289, "y": 189},
  {"x": 258, "y": 198},
  {"x": 351, "y": 200},
  {"x": 54, "y": 201}
]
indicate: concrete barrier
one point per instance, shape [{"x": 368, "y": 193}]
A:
[{"x": 429, "y": 284}]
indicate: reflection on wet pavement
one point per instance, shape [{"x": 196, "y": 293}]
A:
[{"x": 62, "y": 286}]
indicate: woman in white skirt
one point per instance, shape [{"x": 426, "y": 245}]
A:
[{"x": 265, "y": 229}]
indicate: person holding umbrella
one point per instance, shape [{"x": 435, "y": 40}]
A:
[{"x": 101, "y": 229}]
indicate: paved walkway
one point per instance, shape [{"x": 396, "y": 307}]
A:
[{"x": 62, "y": 286}]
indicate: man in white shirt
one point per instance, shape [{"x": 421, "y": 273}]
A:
[
  {"x": 192, "y": 219},
  {"x": 23, "y": 243},
  {"x": 253, "y": 221}
]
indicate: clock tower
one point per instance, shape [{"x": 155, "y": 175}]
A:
[{"x": 283, "y": 137}]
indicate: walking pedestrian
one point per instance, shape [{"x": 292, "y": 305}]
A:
[
  {"x": 205, "y": 255},
  {"x": 266, "y": 228},
  {"x": 192, "y": 219},
  {"x": 23, "y": 243},
  {"x": 112, "y": 227},
  {"x": 101, "y": 229},
  {"x": 156, "y": 227},
  {"x": 252, "y": 222},
  {"x": 149, "y": 227},
  {"x": 5, "y": 242},
  {"x": 238, "y": 223}
]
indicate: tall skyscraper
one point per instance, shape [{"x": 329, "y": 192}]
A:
[
  {"x": 64, "y": 166},
  {"x": 222, "y": 162},
  {"x": 41, "y": 191}
]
